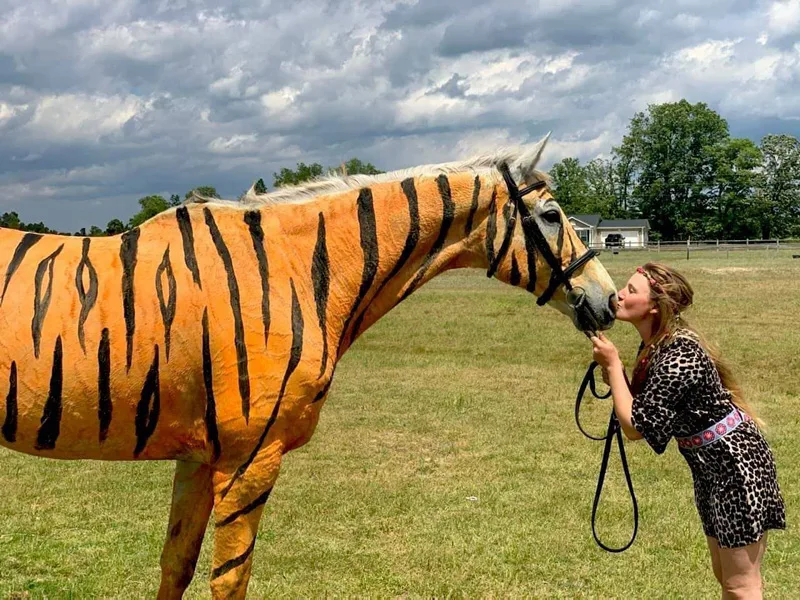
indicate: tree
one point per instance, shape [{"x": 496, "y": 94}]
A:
[
  {"x": 671, "y": 154},
  {"x": 730, "y": 195},
  {"x": 151, "y": 206},
  {"x": 115, "y": 227},
  {"x": 10, "y": 220},
  {"x": 207, "y": 191},
  {"x": 303, "y": 173},
  {"x": 174, "y": 200},
  {"x": 354, "y": 166},
  {"x": 778, "y": 187},
  {"x": 571, "y": 189},
  {"x": 259, "y": 187}
]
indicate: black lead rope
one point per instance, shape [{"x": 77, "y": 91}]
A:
[{"x": 613, "y": 430}]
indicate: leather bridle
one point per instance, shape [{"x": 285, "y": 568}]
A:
[{"x": 533, "y": 234}]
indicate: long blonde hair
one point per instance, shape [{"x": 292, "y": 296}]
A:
[{"x": 671, "y": 295}]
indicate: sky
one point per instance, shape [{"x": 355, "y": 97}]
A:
[{"x": 102, "y": 102}]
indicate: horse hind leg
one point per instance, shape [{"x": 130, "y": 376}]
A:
[
  {"x": 239, "y": 499},
  {"x": 192, "y": 500}
]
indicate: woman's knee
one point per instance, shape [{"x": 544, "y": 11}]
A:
[{"x": 742, "y": 587}]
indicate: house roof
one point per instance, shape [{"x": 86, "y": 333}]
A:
[
  {"x": 622, "y": 223},
  {"x": 598, "y": 222},
  {"x": 591, "y": 220}
]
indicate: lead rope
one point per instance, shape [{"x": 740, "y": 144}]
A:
[{"x": 612, "y": 430}]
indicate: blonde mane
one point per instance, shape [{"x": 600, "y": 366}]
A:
[{"x": 521, "y": 160}]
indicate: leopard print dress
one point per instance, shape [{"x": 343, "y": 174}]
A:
[{"x": 735, "y": 482}]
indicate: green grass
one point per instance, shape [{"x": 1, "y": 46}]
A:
[{"x": 446, "y": 463}]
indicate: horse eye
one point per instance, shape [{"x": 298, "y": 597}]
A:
[{"x": 552, "y": 216}]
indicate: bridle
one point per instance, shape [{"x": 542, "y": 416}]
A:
[{"x": 533, "y": 234}]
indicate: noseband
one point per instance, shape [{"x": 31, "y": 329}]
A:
[{"x": 533, "y": 234}]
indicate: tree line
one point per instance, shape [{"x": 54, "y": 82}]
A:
[{"x": 676, "y": 166}]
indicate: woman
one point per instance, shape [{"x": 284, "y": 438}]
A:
[{"x": 681, "y": 389}]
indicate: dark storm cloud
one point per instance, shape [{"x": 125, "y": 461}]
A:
[{"x": 102, "y": 103}]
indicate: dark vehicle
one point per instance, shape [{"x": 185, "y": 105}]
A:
[{"x": 615, "y": 240}]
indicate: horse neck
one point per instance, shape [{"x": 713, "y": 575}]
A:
[{"x": 408, "y": 232}]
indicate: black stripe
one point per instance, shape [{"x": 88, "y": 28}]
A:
[
  {"x": 412, "y": 239},
  {"x": 148, "y": 407},
  {"x": 560, "y": 244},
  {"x": 253, "y": 220},
  {"x": 369, "y": 248},
  {"x": 530, "y": 253},
  {"x": 211, "y": 405},
  {"x": 185, "y": 225},
  {"x": 28, "y": 240},
  {"x": 320, "y": 276},
  {"x": 51, "y": 416},
  {"x": 87, "y": 297},
  {"x": 104, "y": 406},
  {"x": 234, "y": 562},
  {"x": 10, "y": 424},
  {"x": 127, "y": 253},
  {"x": 516, "y": 276},
  {"x": 167, "y": 306},
  {"x": 323, "y": 391},
  {"x": 261, "y": 500},
  {"x": 238, "y": 331},
  {"x": 573, "y": 253},
  {"x": 473, "y": 209},
  {"x": 491, "y": 228},
  {"x": 294, "y": 360},
  {"x": 41, "y": 302},
  {"x": 448, "y": 214}
]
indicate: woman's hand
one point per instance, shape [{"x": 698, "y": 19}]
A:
[{"x": 605, "y": 352}]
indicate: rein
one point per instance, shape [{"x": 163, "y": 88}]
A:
[
  {"x": 613, "y": 430},
  {"x": 561, "y": 276}
]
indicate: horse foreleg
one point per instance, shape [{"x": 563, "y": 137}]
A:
[
  {"x": 192, "y": 500},
  {"x": 239, "y": 499}
]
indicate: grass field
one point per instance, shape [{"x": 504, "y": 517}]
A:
[{"x": 447, "y": 464}]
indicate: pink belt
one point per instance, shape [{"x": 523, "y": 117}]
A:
[{"x": 714, "y": 432}]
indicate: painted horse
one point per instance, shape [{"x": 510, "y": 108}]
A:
[{"x": 210, "y": 334}]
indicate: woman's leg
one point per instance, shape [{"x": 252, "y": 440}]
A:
[
  {"x": 741, "y": 570},
  {"x": 713, "y": 548}
]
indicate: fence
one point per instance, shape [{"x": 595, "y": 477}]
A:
[{"x": 691, "y": 246}]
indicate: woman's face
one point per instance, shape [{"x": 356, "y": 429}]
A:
[{"x": 633, "y": 300}]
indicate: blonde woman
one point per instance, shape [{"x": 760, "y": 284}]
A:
[{"x": 681, "y": 389}]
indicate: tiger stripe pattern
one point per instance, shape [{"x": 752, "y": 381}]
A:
[{"x": 210, "y": 334}]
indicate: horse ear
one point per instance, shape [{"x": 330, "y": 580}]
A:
[{"x": 523, "y": 167}]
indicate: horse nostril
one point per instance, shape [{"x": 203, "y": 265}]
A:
[
  {"x": 613, "y": 303},
  {"x": 575, "y": 297}
]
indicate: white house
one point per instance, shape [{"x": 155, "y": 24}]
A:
[{"x": 595, "y": 231}]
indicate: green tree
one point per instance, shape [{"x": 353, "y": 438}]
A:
[
  {"x": 571, "y": 188},
  {"x": 151, "y": 206},
  {"x": 671, "y": 152},
  {"x": 259, "y": 187},
  {"x": 778, "y": 187},
  {"x": 207, "y": 191},
  {"x": 303, "y": 173},
  {"x": 10, "y": 220},
  {"x": 174, "y": 200},
  {"x": 115, "y": 227},
  {"x": 733, "y": 212},
  {"x": 95, "y": 231},
  {"x": 355, "y": 166}
]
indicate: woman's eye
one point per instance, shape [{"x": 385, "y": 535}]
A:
[{"x": 552, "y": 216}]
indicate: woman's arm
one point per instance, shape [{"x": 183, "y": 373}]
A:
[
  {"x": 605, "y": 353},
  {"x": 623, "y": 400}
]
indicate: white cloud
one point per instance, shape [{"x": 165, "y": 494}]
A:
[
  {"x": 71, "y": 117},
  {"x": 784, "y": 17}
]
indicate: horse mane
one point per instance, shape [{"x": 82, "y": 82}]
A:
[{"x": 520, "y": 159}]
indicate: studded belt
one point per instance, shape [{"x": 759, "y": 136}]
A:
[{"x": 714, "y": 432}]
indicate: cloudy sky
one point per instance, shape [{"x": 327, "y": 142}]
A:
[{"x": 104, "y": 102}]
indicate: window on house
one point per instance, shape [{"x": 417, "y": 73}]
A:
[{"x": 583, "y": 234}]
